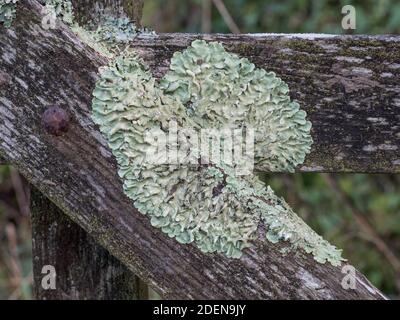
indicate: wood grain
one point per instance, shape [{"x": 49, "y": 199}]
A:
[{"x": 84, "y": 270}]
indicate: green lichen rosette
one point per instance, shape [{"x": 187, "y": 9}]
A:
[
  {"x": 221, "y": 89},
  {"x": 207, "y": 205}
]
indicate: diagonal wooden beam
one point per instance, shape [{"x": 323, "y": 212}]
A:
[{"x": 78, "y": 173}]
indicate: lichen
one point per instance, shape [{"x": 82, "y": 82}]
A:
[
  {"x": 109, "y": 38},
  {"x": 282, "y": 223},
  {"x": 223, "y": 90},
  {"x": 116, "y": 31},
  {"x": 90, "y": 39},
  {"x": 208, "y": 205},
  {"x": 62, "y": 9},
  {"x": 7, "y": 11},
  {"x": 179, "y": 200}
]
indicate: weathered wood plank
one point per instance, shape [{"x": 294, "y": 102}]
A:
[
  {"x": 349, "y": 86},
  {"x": 84, "y": 270},
  {"x": 92, "y": 11},
  {"x": 78, "y": 173}
]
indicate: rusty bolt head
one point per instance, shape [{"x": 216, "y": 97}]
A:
[
  {"x": 55, "y": 121},
  {"x": 5, "y": 79}
]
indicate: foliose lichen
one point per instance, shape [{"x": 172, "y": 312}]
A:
[
  {"x": 109, "y": 37},
  {"x": 7, "y": 11},
  {"x": 127, "y": 104},
  {"x": 207, "y": 205},
  {"x": 116, "y": 31},
  {"x": 62, "y": 9},
  {"x": 223, "y": 90}
]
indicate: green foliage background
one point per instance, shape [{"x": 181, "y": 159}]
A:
[
  {"x": 376, "y": 197},
  {"x": 289, "y": 16}
]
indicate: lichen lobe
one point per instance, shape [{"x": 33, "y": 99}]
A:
[{"x": 223, "y": 90}]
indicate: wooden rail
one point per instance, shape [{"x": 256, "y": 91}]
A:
[{"x": 349, "y": 86}]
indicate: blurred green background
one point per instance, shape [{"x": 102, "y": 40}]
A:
[
  {"x": 290, "y": 16},
  {"x": 359, "y": 213}
]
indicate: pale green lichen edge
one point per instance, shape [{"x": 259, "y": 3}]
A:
[
  {"x": 223, "y": 90},
  {"x": 61, "y": 8},
  {"x": 118, "y": 31},
  {"x": 180, "y": 200},
  {"x": 7, "y": 11},
  {"x": 128, "y": 104},
  {"x": 110, "y": 37}
]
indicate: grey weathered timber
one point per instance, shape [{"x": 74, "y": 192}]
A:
[
  {"x": 78, "y": 173},
  {"x": 92, "y": 11},
  {"x": 84, "y": 270}
]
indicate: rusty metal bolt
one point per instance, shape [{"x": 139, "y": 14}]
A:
[
  {"x": 5, "y": 78},
  {"x": 55, "y": 121}
]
